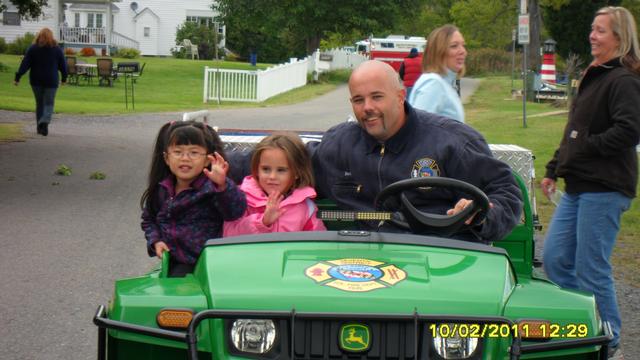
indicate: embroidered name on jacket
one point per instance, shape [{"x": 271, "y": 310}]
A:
[{"x": 425, "y": 167}]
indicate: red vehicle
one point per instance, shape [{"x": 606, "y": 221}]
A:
[{"x": 391, "y": 49}]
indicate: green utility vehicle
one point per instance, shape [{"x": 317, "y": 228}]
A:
[{"x": 350, "y": 294}]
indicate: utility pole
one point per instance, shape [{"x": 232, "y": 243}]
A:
[
  {"x": 523, "y": 39},
  {"x": 514, "y": 33}
]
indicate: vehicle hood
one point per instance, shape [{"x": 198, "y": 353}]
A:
[{"x": 358, "y": 277}]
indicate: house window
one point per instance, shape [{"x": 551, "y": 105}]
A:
[
  {"x": 221, "y": 29},
  {"x": 147, "y": 31},
  {"x": 99, "y": 20},
  {"x": 11, "y": 18},
  {"x": 76, "y": 19},
  {"x": 90, "y": 20},
  {"x": 202, "y": 20}
]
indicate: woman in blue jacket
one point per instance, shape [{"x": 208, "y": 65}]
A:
[
  {"x": 442, "y": 64},
  {"x": 44, "y": 58}
]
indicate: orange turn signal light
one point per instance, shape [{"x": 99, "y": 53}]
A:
[
  {"x": 534, "y": 329},
  {"x": 174, "y": 318}
]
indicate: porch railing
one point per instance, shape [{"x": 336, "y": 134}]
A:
[
  {"x": 121, "y": 41},
  {"x": 78, "y": 35},
  {"x": 95, "y": 37}
]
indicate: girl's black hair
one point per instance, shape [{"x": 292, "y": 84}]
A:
[{"x": 176, "y": 133}]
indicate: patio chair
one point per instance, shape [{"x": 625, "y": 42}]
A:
[
  {"x": 190, "y": 49},
  {"x": 72, "y": 71},
  {"x": 105, "y": 71}
]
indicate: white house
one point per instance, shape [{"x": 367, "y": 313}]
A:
[
  {"x": 12, "y": 27},
  {"x": 147, "y": 25}
]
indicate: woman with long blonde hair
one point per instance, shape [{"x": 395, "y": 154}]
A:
[
  {"x": 44, "y": 59},
  {"x": 442, "y": 65},
  {"x": 598, "y": 161}
]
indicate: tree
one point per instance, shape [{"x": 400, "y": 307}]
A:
[
  {"x": 28, "y": 9},
  {"x": 283, "y": 28},
  {"x": 429, "y": 15},
  {"x": 485, "y": 23},
  {"x": 569, "y": 23}
]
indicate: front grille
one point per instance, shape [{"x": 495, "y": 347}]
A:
[
  {"x": 314, "y": 336},
  {"x": 319, "y": 339}
]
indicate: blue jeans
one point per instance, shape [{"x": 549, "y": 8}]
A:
[
  {"x": 44, "y": 103},
  {"x": 578, "y": 245}
]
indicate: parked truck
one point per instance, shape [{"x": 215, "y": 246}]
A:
[{"x": 391, "y": 49}]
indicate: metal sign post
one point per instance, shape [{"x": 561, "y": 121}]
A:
[{"x": 523, "y": 39}]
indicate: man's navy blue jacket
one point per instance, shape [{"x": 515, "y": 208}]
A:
[{"x": 351, "y": 168}]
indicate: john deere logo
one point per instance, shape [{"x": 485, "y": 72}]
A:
[{"x": 354, "y": 337}]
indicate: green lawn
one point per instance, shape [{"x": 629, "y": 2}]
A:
[
  {"x": 167, "y": 84},
  {"x": 11, "y": 132},
  {"x": 499, "y": 119}
]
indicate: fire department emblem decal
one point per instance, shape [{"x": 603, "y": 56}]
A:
[
  {"x": 357, "y": 275},
  {"x": 425, "y": 167}
]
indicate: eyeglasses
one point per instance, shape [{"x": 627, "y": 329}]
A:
[{"x": 193, "y": 155}]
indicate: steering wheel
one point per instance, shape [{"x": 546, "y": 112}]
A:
[{"x": 393, "y": 198}]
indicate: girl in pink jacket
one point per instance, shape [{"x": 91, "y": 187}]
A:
[{"x": 279, "y": 189}]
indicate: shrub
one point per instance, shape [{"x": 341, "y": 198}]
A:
[
  {"x": 201, "y": 35},
  {"x": 21, "y": 44},
  {"x": 88, "y": 51},
  {"x": 69, "y": 51},
  {"x": 490, "y": 61},
  {"x": 127, "y": 53},
  {"x": 3, "y": 45},
  {"x": 3, "y": 67}
]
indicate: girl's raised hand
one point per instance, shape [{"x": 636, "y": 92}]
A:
[
  {"x": 219, "y": 169},
  {"x": 272, "y": 211}
]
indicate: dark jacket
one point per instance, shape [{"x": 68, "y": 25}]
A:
[
  {"x": 351, "y": 168},
  {"x": 410, "y": 70},
  {"x": 186, "y": 221},
  {"x": 44, "y": 62},
  {"x": 598, "y": 149}
]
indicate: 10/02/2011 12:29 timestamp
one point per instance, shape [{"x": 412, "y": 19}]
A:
[{"x": 494, "y": 330}]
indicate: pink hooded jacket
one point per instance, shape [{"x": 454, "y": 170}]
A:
[{"x": 299, "y": 212}]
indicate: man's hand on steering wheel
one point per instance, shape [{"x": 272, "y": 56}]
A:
[{"x": 461, "y": 205}]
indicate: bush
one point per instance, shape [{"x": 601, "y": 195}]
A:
[
  {"x": 69, "y": 51},
  {"x": 490, "y": 61},
  {"x": 3, "y": 67},
  {"x": 127, "y": 53},
  {"x": 88, "y": 51},
  {"x": 201, "y": 35},
  {"x": 3, "y": 45},
  {"x": 21, "y": 44}
]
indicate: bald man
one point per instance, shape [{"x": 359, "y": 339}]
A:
[{"x": 391, "y": 141}]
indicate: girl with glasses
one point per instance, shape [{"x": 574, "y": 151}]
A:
[{"x": 189, "y": 195}]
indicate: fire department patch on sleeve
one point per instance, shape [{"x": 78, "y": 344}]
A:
[
  {"x": 425, "y": 167},
  {"x": 357, "y": 275}
]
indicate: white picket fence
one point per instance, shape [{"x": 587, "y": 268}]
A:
[
  {"x": 339, "y": 59},
  {"x": 259, "y": 85},
  {"x": 256, "y": 86}
]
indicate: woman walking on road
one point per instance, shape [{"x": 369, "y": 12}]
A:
[
  {"x": 44, "y": 58},
  {"x": 598, "y": 161},
  {"x": 442, "y": 64}
]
